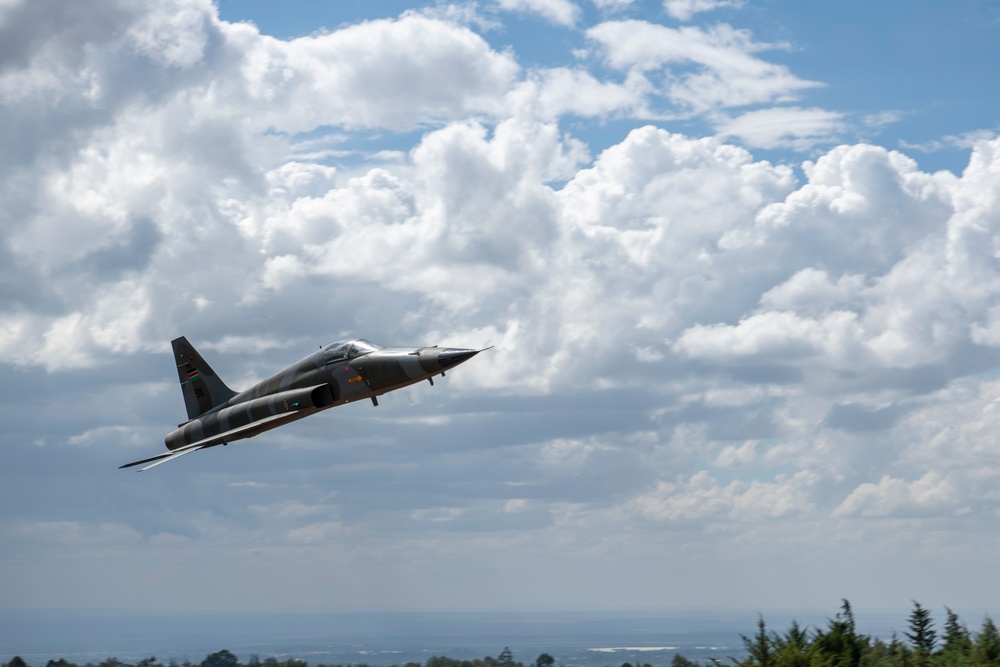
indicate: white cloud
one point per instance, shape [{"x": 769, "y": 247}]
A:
[
  {"x": 104, "y": 436},
  {"x": 965, "y": 141},
  {"x": 882, "y": 119},
  {"x": 701, "y": 497},
  {"x": 684, "y": 10},
  {"x": 613, "y": 5},
  {"x": 549, "y": 94},
  {"x": 926, "y": 496},
  {"x": 385, "y": 73},
  {"x": 949, "y": 435},
  {"x": 775, "y": 335},
  {"x": 783, "y": 127},
  {"x": 811, "y": 291},
  {"x": 173, "y": 32},
  {"x": 725, "y": 73},
  {"x": 560, "y": 12}
]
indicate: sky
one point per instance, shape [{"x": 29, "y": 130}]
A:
[{"x": 738, "y": 260}]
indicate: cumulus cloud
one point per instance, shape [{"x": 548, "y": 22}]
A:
[
  {"x": 385, "y": 73},
  {"x": 685, "y": 335},
  {"x": 702, "y": 498},
  {"x": 890, "y": 496},
  {"x": 140, "y": 172}
]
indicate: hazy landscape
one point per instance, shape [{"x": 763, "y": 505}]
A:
[
  {"x": 399, "y": 638},
  {"x": 374, "y": 638}
]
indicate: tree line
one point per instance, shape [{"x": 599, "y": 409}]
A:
[
  {"x": 839, "y": 644},
  {"x": 225, "y": 658}
]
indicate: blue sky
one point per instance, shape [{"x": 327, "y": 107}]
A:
[
  {"x": 927, "y": 64},
  {"x": 737, "y": 261}
]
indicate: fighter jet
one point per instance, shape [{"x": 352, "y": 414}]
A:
[{"x": 343, "y": 372}]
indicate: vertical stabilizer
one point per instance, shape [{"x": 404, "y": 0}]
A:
[{"x": 202, "y": 388}]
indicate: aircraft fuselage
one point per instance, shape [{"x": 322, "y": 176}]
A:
[{"x": 319, "y": 382}]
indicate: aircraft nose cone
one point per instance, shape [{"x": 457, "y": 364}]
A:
[{"x": 451, "y": 356}]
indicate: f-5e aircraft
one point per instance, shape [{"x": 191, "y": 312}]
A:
[{"x": 346, "y": 371}]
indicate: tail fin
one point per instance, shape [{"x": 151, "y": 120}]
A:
[{"x": 202, "y": 388}]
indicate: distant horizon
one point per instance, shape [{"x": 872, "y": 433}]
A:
[
  {"x": 578, "y": 638},
  {"x": 859, "y": 610}
]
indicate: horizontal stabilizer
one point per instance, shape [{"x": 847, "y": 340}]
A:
[
  {"x": 173, "y": 455},
  {"x": 163, "y": 458},
  {"x": 247, "y": 431}
]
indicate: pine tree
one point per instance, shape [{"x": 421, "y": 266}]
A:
[
  {"x": 841, "y": 641},
  {"x": 956, "y": 640},
  {"x": 790, "y": 649},
  {"x": 759, "y": 648},
  {"x": 921, "y": 635},
  {"x": 986, "y": 648}
]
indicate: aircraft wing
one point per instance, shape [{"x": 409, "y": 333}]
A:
[
  {"x": 246, "y": 431},
  {"x": 163, "y": 458}
]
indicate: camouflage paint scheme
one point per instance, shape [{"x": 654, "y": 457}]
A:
[{"x": 343, "y": 372}]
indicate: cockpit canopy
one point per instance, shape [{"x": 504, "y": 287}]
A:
[{"x": 348, "y": 349}]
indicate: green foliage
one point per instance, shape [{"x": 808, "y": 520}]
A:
[
  {"x": 921, "y": 635},
  {"x": 840, "y": 645},
  {"x": 956, "y": 636},
  {"x": 505, "y": 659},
  {"x": 758, "y": 648},
  {"x": 441, "y": 661},
  {"x": 986, "y": 648},
  {"x": 956, "y": 644},
  {"x": 544, "y": 660},
  {"x": 221, "y": 659},
  {"x": 113, "y": 662},
  {"x": 792, "y": 648}
]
